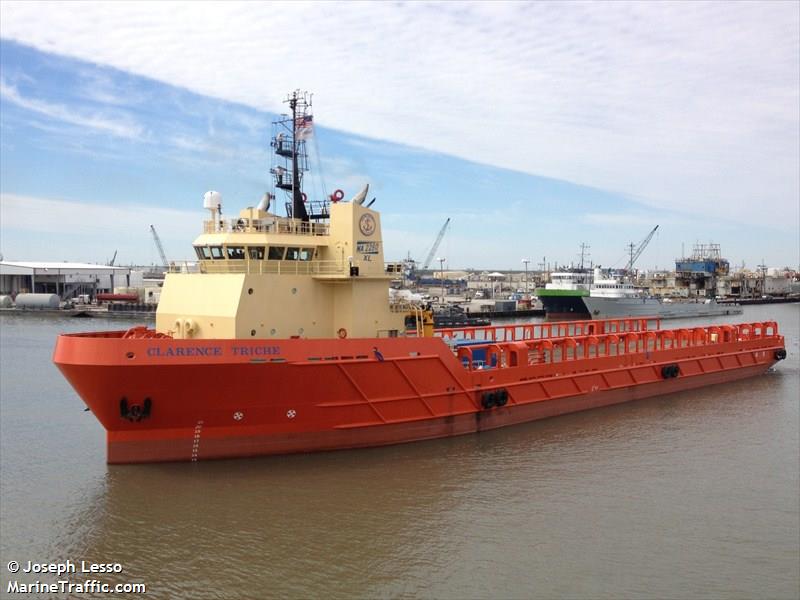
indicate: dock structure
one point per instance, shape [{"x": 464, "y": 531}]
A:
[{"x": 700, "y": 273}]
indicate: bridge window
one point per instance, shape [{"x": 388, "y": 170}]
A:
[
  {"x": 306, "y": 253},
  {"x": 203, "y": 253},
  {"x": 256, "y": 252},
  {"x": 235, "y": 252},
  {"x": 276, "y": 252},
  {"x": 216, "y": 252},
  {"x": 293, "y": 254}
]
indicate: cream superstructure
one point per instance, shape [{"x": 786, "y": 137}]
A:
[{"x": 271, "y": 277}]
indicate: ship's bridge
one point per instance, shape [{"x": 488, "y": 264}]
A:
[
  {"x": 257, "y": 242},
  {"x": 261, "y": 275}
]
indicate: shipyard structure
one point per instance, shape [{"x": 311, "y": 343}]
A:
[
  {"x": 88, "y": 287},
  {"x": 702, "y": 276}
]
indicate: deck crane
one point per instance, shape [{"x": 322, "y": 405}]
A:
[
  {"x": 639, "y": 249},
  {"x": 160, "y": 247},
  {"x": 435, "y": 246}
]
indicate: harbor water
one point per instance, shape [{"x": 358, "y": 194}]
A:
[{"x": 689, "y": 495}]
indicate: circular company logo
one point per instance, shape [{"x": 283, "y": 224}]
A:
[{"x": 367, "y": 224}]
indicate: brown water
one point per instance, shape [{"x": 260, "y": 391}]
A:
[{"x": 691, "y": 495}]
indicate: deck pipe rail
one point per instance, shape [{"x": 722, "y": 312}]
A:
[
  {"x": 585, "y": 346},
  {"x": 552, "y": 329}
]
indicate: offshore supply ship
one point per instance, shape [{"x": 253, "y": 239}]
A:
[
  {"x": 562, "y": 297},
  {"x": 286, "y": 341}
]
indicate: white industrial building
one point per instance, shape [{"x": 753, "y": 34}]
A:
[{"x": 65, "y": 279}]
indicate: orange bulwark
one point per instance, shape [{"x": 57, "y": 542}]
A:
[{"x": 165, "y": 399}]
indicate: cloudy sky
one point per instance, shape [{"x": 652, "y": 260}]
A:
[{"x": 535, "y": 126}]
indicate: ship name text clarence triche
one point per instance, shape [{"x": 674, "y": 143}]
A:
[{"x": 158, "y": 351}]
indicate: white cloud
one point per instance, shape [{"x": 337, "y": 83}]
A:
[
  {"x": 116, "y": 125},
  {"x": 47, "y": 215},
  {"x": 627, "y": 221},
  {"x": 101, "y": 88},
  {"x": 686, "y": 106}
]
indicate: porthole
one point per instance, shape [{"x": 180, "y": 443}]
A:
[
  {"x": 130, "y": 355},
  {"x": 252, "y": 333},
  {"x": 250, "y": 291}
]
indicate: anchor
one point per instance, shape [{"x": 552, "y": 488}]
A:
[{"x": 135, "y": 412}]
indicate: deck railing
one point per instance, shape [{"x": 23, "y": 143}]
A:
[
  {"x": 551, "y": 329},
  {"x": 262, "y": 267},
  {"x": 339, "y": 267},
  {"x": 594, "y": 345},
  {"x": 269, "y": 225}
]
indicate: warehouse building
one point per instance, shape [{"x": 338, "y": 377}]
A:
[{"x": 65, "y": 279}]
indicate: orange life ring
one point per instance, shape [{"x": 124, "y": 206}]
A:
[
  {"x": 337, "y": 195},
  {"x": 342, "y": 333}
]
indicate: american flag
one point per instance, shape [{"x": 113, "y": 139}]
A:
[{"x": 304, "y": 126}]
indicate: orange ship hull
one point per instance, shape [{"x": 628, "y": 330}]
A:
[{"x": 162, "y": 399}]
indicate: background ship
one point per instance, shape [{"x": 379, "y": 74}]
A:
[
  {"x": 585, "y": 293},
  {"x": 562, "y": 297},
  {"x": 614, "y": 297}
]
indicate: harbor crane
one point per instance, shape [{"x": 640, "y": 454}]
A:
[
  {"x": 435, "y": 246},
  {"x": 635, "y": 254},
  {"x": 160, "y": 247}
]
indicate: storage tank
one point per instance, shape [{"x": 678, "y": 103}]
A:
[
  {"x": 6, "y": 302},
  {"x": 118, "y": 297},
  {"x": 138, "y": 292},
  {"x": 41, "y": 301}
]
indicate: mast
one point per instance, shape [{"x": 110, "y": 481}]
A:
[
  {"x": 298, "y": 208},
  {"x": 584, "y": 254},
  {"x": 291, "y": 160}
]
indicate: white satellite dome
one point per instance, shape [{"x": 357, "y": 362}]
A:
[{"x": 212, "y": 200}]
